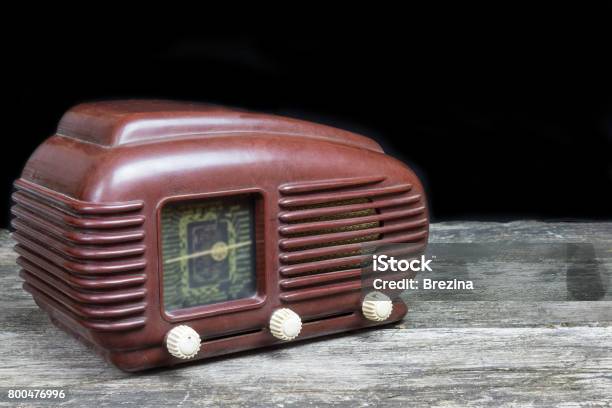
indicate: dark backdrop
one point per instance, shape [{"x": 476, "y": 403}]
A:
[{"x": 499, "y": 126}]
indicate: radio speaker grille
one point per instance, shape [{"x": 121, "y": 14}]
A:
[
  {"x": 325, "y": 224},
  {"x": 85, "y": 259}
]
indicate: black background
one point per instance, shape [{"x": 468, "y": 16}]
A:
[{"x": 502, "y": 119}]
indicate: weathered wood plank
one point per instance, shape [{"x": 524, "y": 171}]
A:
[
  {"x": 507, "y": 314},
  {"x": 442, "y": 367},
  {"x": 445, "y": 353},
  {"x": 521, "y": 231}
]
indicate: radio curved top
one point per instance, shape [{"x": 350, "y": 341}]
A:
[{"x": 126, "y": 122}]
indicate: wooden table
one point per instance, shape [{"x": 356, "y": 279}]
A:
[{"x": 472, "y": 352}]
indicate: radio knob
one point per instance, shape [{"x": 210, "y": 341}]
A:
[
  {"x": 285, "y": 324},
  {"x": 183, "y": 342},
  {"x": 377, "y": 306}
]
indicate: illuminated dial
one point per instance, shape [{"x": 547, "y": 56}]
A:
[{"x": 208, "y": 252}]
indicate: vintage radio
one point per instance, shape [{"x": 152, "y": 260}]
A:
[{"x": 162, "y": 232}]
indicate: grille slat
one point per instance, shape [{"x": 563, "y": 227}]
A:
[
  {"x": 297, "y": 256},
  {"x": 335, "y": 184},
  {"x": 36, "y": 265},
  {"x": 301, "y": 281},
  {"x": 294, "y": 216},
  {"x": 65, "y": 203},
  {"x": 63, "y": 217},
  {"x": 349, "y": 195},
  {"x": 80, "y": 308},
  {"x": 74, "y": 236},
  {"x": 327, "y": 238},
  {"x": 320, "y": 291},
  {"x": 26, "y": 234},
  {"x": 105, "y": 325},
  {"x": 345, "y": 222},
  {"x": 89, "y": 268},
  {"x": 292, "y": 243},
  {"x": 90, "y": 297},
  {"x": 310, "y": 267},
  {"x": 108, "y": 312},
  {"x": 83, "y": 259}
]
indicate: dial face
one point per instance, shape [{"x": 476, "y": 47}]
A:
[{"x": 208, "y": 252}]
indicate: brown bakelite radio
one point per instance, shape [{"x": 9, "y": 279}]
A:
[{"x": 164, "y": 232}]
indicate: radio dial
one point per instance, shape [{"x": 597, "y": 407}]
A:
[
  {"x": 377, "y": 306},
  {"x": 183, "y": 342},
  {"x": 285, "y": 324}
]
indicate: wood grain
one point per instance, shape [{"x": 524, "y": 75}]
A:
[{"x": 444, "y": 353}]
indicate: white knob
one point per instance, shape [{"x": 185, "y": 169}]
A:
[
  {"x": 377, "y": 306},
  {"x": 285, "y": 324},
  {"x": 183, "y": 342}
]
